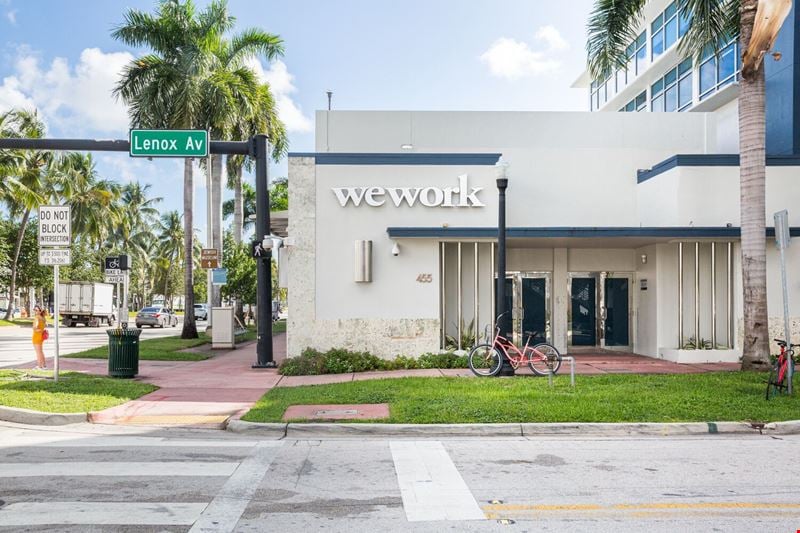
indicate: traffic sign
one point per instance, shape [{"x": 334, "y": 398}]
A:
[
  {"x": 209, "y": 263},
  {"x": 257, "y": 250},
  {"x": 209, "y": 258},
  {"x": 782, "y": 229},
  {"x": 116, "y": 264},
  {"x": 208, "y": 253},
  {"x": 169, "y": 143},
  {"x": 54, "y": 256},
  {"x": 55, "y": 225},
  {"x": 219, "y": 276},
  {"x": 115, "y": 278}
]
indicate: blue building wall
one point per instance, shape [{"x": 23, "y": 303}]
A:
[{"x": 783, "y": 90}]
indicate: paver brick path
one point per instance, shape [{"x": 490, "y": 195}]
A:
[{"x": 208, "y": 392}]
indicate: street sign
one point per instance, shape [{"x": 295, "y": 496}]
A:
[
  {"x": 209, "y": 258},
  {"x": 219, "y": 276},
  {"x": 115, "y": 278},
  {"x": 169, "y": 143},
  {"x": 54, "y": 256},
  {"x": 116, "y": 264},
  {"x": 55, "y": 225}
]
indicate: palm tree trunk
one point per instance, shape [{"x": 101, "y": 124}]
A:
[
  {"x": 12, "y": 287},
  {"x": 189, "y": 327},
  {"x": 752, "y": 180},
  {"x": 216, "y": 213},
  {"x": 238, "y": 206}
]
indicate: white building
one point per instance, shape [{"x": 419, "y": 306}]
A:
[{"x": 622, "y": 227}]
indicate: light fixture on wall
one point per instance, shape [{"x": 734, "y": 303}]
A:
[
  {"x": 396, "y": 249},
  {"x": 644, "y": 259}
]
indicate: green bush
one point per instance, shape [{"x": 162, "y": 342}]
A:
[{"x": 340, "y": 361}]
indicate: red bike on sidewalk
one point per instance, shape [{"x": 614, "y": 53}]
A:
[
  {"x": 487, "y": 359},
  {"x": 778, "y": 382}
]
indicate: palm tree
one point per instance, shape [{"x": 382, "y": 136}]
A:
[
  {"x": 247, "y": 205},
  {"x": 612, "y": 27},
  {"x": 32, "y": 184},
  {"x": 164, "y": 88},
  {"x": 170, "y": 246}
]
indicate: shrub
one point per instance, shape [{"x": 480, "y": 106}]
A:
[{"x": 340, "y": 361}]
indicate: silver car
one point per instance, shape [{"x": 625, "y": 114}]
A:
[{"x": 156, "y": 316}]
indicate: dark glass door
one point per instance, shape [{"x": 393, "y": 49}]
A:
[
  {"x": 534, "y": 306},
  {"x": 584, "y": 311},
  {"x": 617, "y": 312},
  {"x": 508, "y": 320}
]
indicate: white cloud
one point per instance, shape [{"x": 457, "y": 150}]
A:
[
  {"x": 552, "y": 37},
  {"x": 512, "y": 59},
  {"x": 280, "y": 81},
  {"x": 78, "y": 98},
  {"x": 12, "y": 16}
]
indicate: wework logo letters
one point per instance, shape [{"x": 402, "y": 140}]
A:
[{"x": 461, "y": 196}]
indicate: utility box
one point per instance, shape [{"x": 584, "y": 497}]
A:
[{"x": 222, "y": 334}]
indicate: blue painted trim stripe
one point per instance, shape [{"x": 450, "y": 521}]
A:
[
  {"x": 577, "y": 232},
  {"x": 327, "y": 158},
  {"x": 710, "y": 160}
]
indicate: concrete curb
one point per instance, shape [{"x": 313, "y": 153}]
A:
[
  {"x": 39, "y": 418},
  {"x": 325, "y": 430}
]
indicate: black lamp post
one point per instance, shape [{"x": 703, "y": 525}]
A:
[{"x": 500, "y": 294}]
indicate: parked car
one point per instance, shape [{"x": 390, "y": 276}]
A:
[
  {"x": 156, "y": 316},
  {"x": 200, "y": 312}
]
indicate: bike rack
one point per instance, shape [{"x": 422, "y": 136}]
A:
[{"x": 571, "y": 371}]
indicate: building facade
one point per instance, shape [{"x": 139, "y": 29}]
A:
[{"x": 623, "y": 228}]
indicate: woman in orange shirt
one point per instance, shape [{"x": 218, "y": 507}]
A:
[{"x": 39, "y": 325}]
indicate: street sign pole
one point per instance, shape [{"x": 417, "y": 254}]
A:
[
  {"x": 56, "y": 305},
  {"x": 209, "y": 239},
  {"x": 782, "y": 241}
]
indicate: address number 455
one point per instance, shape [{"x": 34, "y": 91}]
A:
[{"x": 425, "y": 278}]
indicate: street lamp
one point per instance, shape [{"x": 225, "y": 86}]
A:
[{"x": 500, "y": 294}]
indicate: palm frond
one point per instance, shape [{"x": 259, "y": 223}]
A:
[
  {"x": 712, "y": 23},
  {"x": 612, "y": 27}
]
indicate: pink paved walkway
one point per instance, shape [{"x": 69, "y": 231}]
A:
[{"x": 206, "y": 393}]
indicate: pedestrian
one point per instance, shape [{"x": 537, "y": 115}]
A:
[{"x": 39, "y": 336}]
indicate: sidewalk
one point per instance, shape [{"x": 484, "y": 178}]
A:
[{"x": 206, "y": 393}]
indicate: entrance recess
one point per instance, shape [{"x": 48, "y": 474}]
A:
[
  {"x": 528, "y": 298},
  {"x": 599, "y": 312}
]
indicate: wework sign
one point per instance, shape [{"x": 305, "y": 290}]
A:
[{"x": 460, "y": 196}]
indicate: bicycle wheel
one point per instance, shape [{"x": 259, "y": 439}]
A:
[
  {"x": 545, "y": 358},
  {"x": 485, "y": 360},
  {"x": 773, "y": 385}
]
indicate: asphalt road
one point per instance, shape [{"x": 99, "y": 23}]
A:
[
  {"x": 106, "y": 478},
  {"x": 16, "y": 347}
]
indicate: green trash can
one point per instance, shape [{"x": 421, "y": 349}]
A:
[{"x": 123, "y": 352}]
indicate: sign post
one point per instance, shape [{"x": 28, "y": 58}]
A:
[
  {"x": 116, "y": 272},
  {"x": 782, "y": 242},
  {"x": 55, "y": 230}
]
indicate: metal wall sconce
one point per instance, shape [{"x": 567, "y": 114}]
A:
[{"x": 363, "y": 262}]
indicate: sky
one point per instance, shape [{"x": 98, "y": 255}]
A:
[{"x": 501, "y": 55}]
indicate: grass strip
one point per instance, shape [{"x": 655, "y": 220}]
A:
[
  {"x": 74, "y": 392},
  {"x": 160, "y": 349},
  {"x": 719, "y": 396}
]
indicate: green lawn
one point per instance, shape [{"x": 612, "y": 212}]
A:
[
  {"x": 165, "y": 348},
  {"x": 161, "y": 349},
  {"x": 6, "y": 323},
  {"x": 74, "y": 392},
  {"x": 723, "y": 396}
]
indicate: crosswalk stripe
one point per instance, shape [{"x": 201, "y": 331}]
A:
[
  {"x": 430, "y": 485},
  {"x": 227, "y": 507},
  {"x": 100, "y": 513},
  {"x": 110, "y": 468}
]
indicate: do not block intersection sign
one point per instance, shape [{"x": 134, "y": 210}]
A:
[{"x": 55, "y": 225}]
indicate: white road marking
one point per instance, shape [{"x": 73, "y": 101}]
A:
[
  {"x": 100, "y": 513},
  {"x": 166, "y": 468},
  {"x": 430, "y": 485},
  {"x": 225, "y": 510}
]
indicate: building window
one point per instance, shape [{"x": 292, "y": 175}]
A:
[
  {"x": 718, "y": 70},
  {"x": 673, "y": 92},
  {"x": 668, "y": 27},
  {"x": 637, "y": 104}
]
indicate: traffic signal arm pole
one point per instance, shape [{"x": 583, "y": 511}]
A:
[
  {"x": 264, "y": 263},
  {"x": 90, "y": 145}
]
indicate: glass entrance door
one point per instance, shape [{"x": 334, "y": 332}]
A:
[
  {"x": 583, "y": 311},
  {"x": 617, "y": 312},
  {"x": 528, "y": 299}
]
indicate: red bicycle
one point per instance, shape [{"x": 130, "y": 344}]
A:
[
  {"x": 487, "y": 359},
  {"x": 779, "y": 375}
]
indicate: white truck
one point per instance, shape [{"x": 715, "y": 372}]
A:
[{"x": 87, "y": 303}]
